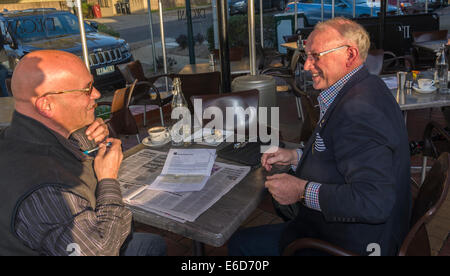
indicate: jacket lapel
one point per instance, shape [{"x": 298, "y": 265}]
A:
[{"x": 356, "y": 78}]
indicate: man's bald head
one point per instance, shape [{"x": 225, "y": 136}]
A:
[
  {"x": 38, "y": 83},
  {"x": 43, "y": 71}
]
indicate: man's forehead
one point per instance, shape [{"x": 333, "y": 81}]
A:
[{"x": 322, "y": 38}]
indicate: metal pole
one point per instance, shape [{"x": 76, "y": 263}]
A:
[
  {"x": 251, "y": 35},
  {"x": 261, "y": 22},
  {"x": 215, "y": 24},
  {"x": 354, "y": 8},
  {"x": 426, "y": 6},
  {"x": 321, "y": 10},
  {"x": 163, "y": 39},
  {"x": 382, "y": 22},
  {"x": 224, "y": 50},
  {"x": 332, "y": 8},
  {"x": 150, "y": 22},
  {"x": 190, "y": 32},
  {"x": 295, "y": 16},
  {"x": 82, "y": 33}
]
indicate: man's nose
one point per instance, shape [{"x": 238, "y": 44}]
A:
[
  {"x": 95, "y": 93},
  {"x": 308, "y": 64}
]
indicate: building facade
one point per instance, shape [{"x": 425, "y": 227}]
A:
[{"x": 108, "y": 7}]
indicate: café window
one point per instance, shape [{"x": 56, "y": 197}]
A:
[{"x": 105, "y": 3}]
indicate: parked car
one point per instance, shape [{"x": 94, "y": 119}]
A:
[
  {"x": 240, "y": 6},
  {"x": 312, "y": 9},
  {"x": 418, "y": 6},
  {"x": 36, "y": 29}
]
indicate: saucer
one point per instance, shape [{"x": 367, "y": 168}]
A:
[
  {"x": 431, "y": 89},
  {"x": 147, "y": 142}
]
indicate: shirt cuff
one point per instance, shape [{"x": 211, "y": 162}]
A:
[
  {"x": 108, "y": 192},
  {"x": 299, "y": 156},
  {"x": 312, "y": 196}
]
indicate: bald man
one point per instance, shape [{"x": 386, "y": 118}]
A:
[{"x": 56, "y": 200}]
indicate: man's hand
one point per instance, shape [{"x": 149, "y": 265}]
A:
[
  {"x": 97, "y": 131},
  {"x": 279, "y": 157},
  {"x": 107, "y": 162},
  {"x": 285, "y": 188}
]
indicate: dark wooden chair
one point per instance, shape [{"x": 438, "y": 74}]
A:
[
  {"x": 146, "y": 92},
  {"x": 435, "y": 141},
  {"x": 121, "y": 121},
  {"x": 242, "y": 99},
  {"x": 199, "y": 84},
  {"x": 431, "y": 195},
  {"x": 424, "y": 58}
]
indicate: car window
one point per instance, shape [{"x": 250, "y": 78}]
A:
[{"x": 38, "y": 27}]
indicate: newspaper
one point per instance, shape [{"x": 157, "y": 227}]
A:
[
  {"x": 185, "y": 170},
  {"x": 142, "y": 168}
]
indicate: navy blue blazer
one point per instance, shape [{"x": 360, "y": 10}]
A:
[{"x": 359, "y": 152}]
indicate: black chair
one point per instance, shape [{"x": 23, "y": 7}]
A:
[
  {"x": 435, "y": 141},
  {"x": 199, "y": 84},
  {"x": 431, "y": 195},
  {"x": 146, "y": 91},
  {"x": 121, "y": 121}
]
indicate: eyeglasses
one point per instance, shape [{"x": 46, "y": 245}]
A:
[
  {"x": 316, "y": 56},
  {"x": 87, "y": 91}
]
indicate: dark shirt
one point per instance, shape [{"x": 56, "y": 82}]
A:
[{"x": 53, "y": 221}]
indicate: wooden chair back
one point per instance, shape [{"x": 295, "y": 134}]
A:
[
  {"x": 199, "y": 84},
  {"x": 244, "y": 99},
  {"x": 432, "y": 194}
]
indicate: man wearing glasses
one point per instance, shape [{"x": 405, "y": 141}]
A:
[
  {"x": 56, "y": 200},
  {"x": 352, "y": 179}
]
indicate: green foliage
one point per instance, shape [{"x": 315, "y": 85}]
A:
[
  {"x": 107, "y": 30},
  {"x": 238, "y": 31},
  {"x": 87, "y": 10}
]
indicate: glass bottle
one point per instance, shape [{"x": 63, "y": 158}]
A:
[
  {"x": 442, "y": 71},
  {"x": 178, "y": 100}
]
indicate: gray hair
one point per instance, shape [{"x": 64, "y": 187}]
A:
[{"x": 350, "y": 31}]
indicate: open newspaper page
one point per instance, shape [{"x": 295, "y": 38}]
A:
[{"x": 175, "y": 205}]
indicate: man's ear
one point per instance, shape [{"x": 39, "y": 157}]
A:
[
  {"x": 353, "y": 56},
  {"x": 44, "y": 107}
]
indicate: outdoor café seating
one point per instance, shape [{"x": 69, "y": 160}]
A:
[
  {"x": 121, "y": 121},
  {"x": 145, "y": 87},
  {"x": 431, "y": 195}
]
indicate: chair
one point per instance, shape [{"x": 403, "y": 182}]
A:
[
  {"x": 199, "y": 84},
  {"x": 244, "y": 99},
  {"x": 267, "y": 56},
  {"x": 425, "y": 58},
  {"x": 431, "y": 195},
  {"x": 121, "y": 120},
  {"x": 433, "y": 147},
  {"x": 385, "y": 62},
  {"x": 144, "y": 87}
]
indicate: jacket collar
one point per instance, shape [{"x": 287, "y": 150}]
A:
[{"x": 356, "y": 78}]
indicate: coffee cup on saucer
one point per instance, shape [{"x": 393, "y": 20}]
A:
[
  {"x": 425, "y": 84},
  {"x": 158, "y": 135}
]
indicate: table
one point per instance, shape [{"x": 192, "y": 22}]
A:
[
  {"x": 6, "y": 111},
  {"x": 236, "y": 68},
  {"x": 215, "y": 226},
  {"x": 416, "y": 100}
]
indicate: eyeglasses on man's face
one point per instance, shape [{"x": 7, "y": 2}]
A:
[
  {"x": 87, "y": 91},
  {"x": 316, "y": 56}
]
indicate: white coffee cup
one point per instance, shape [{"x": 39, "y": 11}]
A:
[
  {"x": 425, "y": 83},
  {"x": 158, "y": 135}
]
